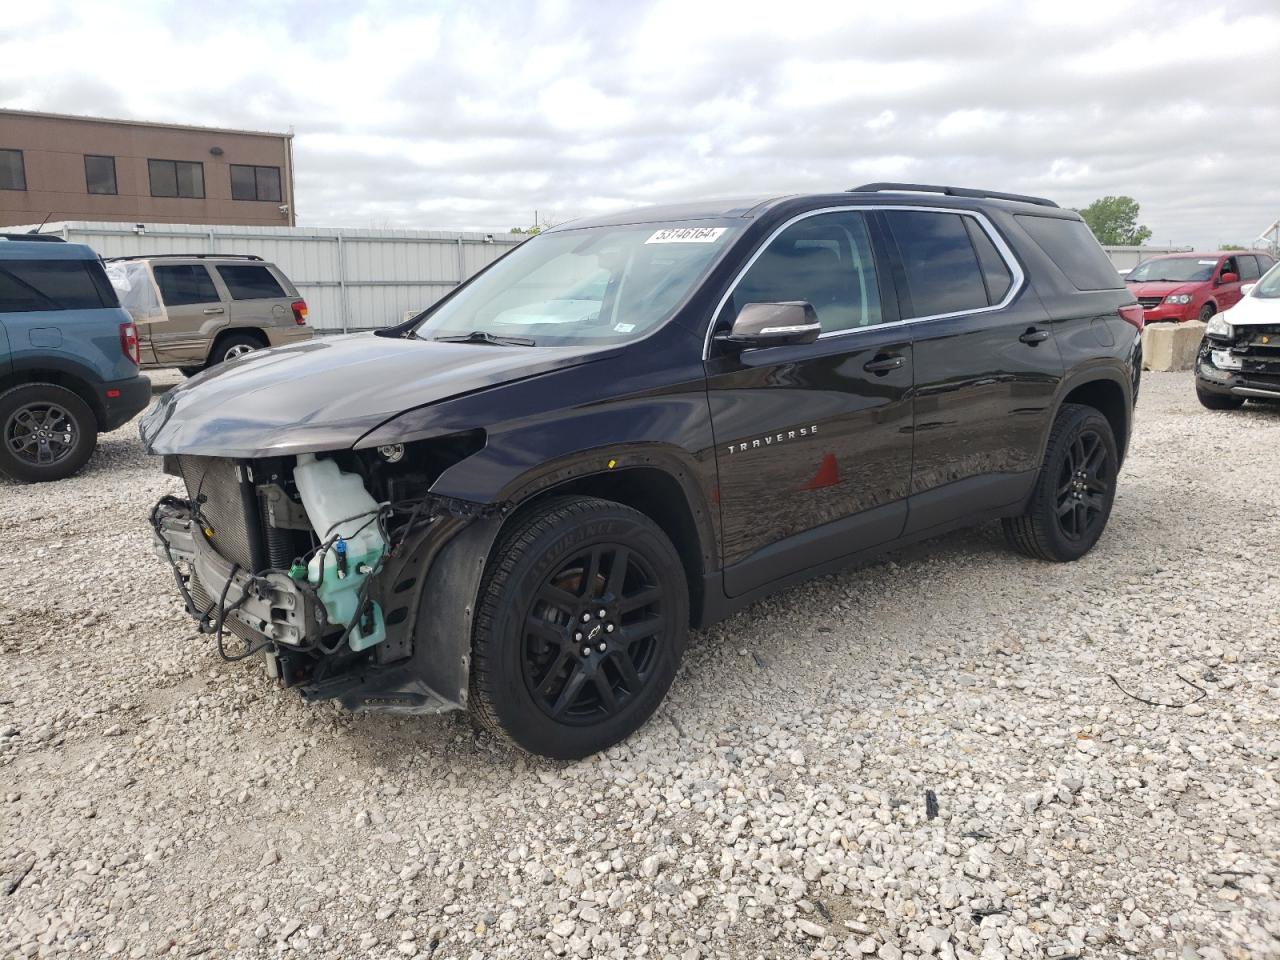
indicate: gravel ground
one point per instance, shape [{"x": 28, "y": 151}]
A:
[{"x": 923, "y": 757}]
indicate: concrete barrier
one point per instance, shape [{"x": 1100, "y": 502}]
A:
[{"x": 1171, "y": 346}]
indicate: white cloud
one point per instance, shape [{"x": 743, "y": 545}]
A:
[{"x": 475, "y": 115}]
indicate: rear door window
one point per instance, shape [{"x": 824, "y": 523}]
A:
[
  {"x": 250, "y": 282},
  {"x": 183, "y": 283},
  {"x": 943, "y": 275},
  {"x": 1072, "y": 246},
  {"x": 1248, "y": 267},
  {"x": 38, "y": 285}
]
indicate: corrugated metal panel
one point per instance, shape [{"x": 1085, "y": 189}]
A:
[{"x": 352, "y": 279}]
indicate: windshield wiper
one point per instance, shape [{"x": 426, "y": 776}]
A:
[{"x": 481, "y": 336}]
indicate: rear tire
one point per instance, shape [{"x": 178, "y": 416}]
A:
[
  {"x": 233, "y": 346},
  {"x": 581, "y": 624},
  {"x": 46, "y": 433},
  {"x": 1072, "y": 498},
  {"x": 1218, "y": 401}
]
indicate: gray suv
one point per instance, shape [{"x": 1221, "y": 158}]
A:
[{"x": 197, "y": 310}]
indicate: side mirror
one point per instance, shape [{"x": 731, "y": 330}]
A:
[
  {"x": 1229, "y": 278},
  {"x": 774, "y": 325},
  {"x": 1246, "y": 289}
]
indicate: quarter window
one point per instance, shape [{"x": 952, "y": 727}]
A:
[
  {"x": 100, "y": 174},
  {"x": 250, "y": 282},
  {"x": 1072, "y": 246},
  {"x": 13, "y": 175},
  {"x": 824, "y": 260},
  {"x": 941, "y": 265},
  {"x": 255, "y": 183},
  {"x": 183, "y": 283},
  {"x": 176, "y": 178},
  {"x": 32, "y": 286},
  {"x": 995, "y": 272}
]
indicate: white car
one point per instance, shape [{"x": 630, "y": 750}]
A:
[{"x": 1240, "y": 356}]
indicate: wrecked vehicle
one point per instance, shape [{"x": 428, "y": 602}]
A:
[
  {"x": 518, "y": 502},
  {"x": 1239, "y": 356}
]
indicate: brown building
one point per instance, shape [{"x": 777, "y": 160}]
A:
[{"x": 82, "y": 168}]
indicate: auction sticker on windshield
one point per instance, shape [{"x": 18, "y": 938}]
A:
[{"x": 687, "y": 235}]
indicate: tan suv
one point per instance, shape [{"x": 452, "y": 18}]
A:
[{"x": 195, "y": 310}]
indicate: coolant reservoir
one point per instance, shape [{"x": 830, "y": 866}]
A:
[{"x": 338, "y": 503}]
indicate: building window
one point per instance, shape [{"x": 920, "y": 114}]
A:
[
  {"x": 176, "y": 178},
  {"x": 13, "y": 176},
  {"x": 255, "y": 183},
  {"x": 100, "y": 174}
]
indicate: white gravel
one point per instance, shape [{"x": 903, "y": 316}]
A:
[{"x": 158, "y": 801}]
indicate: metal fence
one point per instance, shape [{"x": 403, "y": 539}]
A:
[{"x": 352, "y": 279}]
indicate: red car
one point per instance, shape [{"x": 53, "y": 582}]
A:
[{"x": 1194, "y": 286}]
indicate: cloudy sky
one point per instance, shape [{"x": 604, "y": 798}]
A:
[{"x": 474, "y": 115}]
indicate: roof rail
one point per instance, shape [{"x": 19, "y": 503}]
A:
[
  {"x": 42, "y": 237},
  {"x": 187, "y": 256},
  {"x": 950, "y": 192}
]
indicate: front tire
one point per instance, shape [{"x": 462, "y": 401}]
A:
[
  {"x": 1072, "y": 498},
  {"x": 581, "y": 624},
  {"x": 46, "y": 433},
  {"x": 1218, "y": 401},
  {"x": 1207, "y": 312}
]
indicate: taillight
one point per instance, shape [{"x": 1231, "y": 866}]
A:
[
  {"x": 299, "y": 308},
  {"x": 1132, "y": 314},
  {"x": 129, "y": 342}
]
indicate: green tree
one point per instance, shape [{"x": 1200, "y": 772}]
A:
[
  {"x": 531, "y": 230},
  {"x": 1231, "y": 246},
  {"x": 1114, "y": 221}
]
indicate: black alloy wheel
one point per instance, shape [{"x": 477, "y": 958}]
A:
[
  {"x": 1084, "y": 486},
  {"x": 580, "y": 626},
  {"x": 1074, "y": 491},
  {"x": 46, "y": 432},
  {"x": 41, "y": 433},
  {"x": 590, "y": 638}
]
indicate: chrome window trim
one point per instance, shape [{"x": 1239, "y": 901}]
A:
[{"x": 1006, "y": 254}]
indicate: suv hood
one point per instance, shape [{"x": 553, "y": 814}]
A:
[
  {"x": 1253, "y": 311},
  {"x": 325, "y": 394}
]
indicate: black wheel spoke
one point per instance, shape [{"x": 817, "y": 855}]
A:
[
  {"x": 546, "y": 631},
  {"x": 640, "y": 630},
  {"x": 604, "y": 689},
  {"x": 572, "y": 689},
  {"x": 622, "y": 661},
  {"x": 562, "y": 600},
  {"x": 593, "y": 571},
  {"x": 553, "y": 674},
  {"x": 639, "y": 600},
  {"x": 617, "y": 572}
]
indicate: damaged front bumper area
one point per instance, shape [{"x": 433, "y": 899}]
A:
[
  {"x": 335, "y": 608},
  {"x": 262, "y": 609}
]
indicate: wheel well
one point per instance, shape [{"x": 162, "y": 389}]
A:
[
  {"x": 658, "y": 496},
  {"x": 253, "y": 333},
  {"x": 62, "y": 379},
  {"x": 1107, "y": 397}
]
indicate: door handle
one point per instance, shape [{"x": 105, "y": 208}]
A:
[
  {"x": 883, "y": 364},
  {"x": 1034, "y": 336},
  {"x": 214, "y": 310}
]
